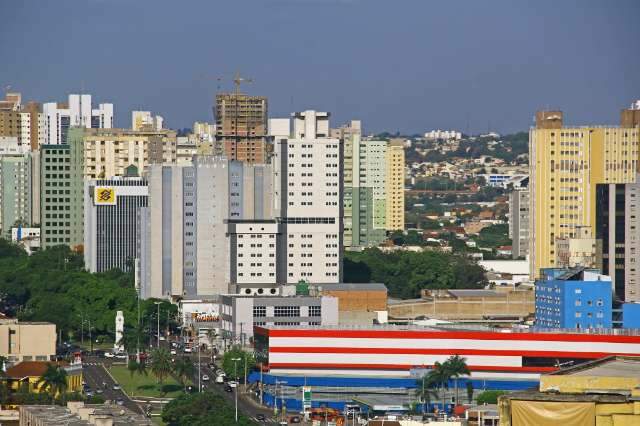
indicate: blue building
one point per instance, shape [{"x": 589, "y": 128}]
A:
[
  {"x": 573, "y": 298},
  {"x": 631, "y": 315}
]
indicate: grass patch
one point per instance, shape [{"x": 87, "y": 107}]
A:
[{"x": 141, "y": 385}]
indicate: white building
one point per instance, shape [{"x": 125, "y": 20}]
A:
[
  {"x": 443, "y": 135},
  {"x": 308, "y": 196},
  {"x": 78, "y": 112}
]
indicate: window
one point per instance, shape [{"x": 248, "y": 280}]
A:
[
  {"x": 259, "y": 311},
  {"x": 286, "y": 311},
  {"x": 315, "y": 311}
]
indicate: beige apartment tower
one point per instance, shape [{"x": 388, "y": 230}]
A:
[
  {"x": 395, "y": 185},
  {"x": 241, "y": 127},
  {"x": 566, "y": 165}
]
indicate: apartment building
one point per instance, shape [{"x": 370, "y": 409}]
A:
[
  {"x": 184, "y": 247},
  {"x": 25, "y": 122},
  {"x": 17, "y": 190},
  {"x": 27, "y": 341},
  {"x": 61, "y": 192},
  {"x": 77, "y": 112},
  {"x": 519, "y": 222},
  {"x": 241, "y": 127},
  {"x": 108, "y": 152},
  {"x": 308, "y": 195},
  {"x": 395, "y": 185},
  {"x": 365, "y": 177},
  {"x": 567, "y": 164},
  {"x": 111, "y": 222}
]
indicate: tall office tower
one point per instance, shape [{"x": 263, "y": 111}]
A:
[
  {"x": 61, "y": 192},
  {"x": 111, "y": 233},
  {"x": 395, "y": 185},
  {"x": 566, "y": 165},
  {"x": 144, "y": 120},
  {"x": 58, "y": 117},
  {"x": 241, "y": 127},
  {"x": 308, "y": 196},
  {"x": 365, "y": 176},
  {"x": 184, "y": 248},
  {"x": 108, "y": 152},
  {"x": 15, "y": 186},
  {"x": 519, "y": 222}
]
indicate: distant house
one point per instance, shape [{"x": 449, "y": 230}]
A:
[{"x": 504, "y": 251}]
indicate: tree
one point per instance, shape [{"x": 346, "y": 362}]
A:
[
  {"x": 425, "y": 390},
  {"x": 469, "y": 391},
  {"x": 236, "y": 368},
  {"x": 137, "y": 367},
  {"x": 439, "y": 376},
  {"x": 489, "y": 397},
  {"x": 457, "y": 366},
  {"x": 201, "y": 409},
  {"x": 183, "y": 368},
  {"x": 53, "y": 381},
  {"x": 160, "y": 363}
]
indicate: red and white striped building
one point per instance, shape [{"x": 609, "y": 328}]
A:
[{"x": 394, "y": 351}]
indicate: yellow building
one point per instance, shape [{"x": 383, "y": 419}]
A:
[
  {"x": 108, "y": 152},
  {"x": 605, "y": 392},
  {"x": 27, "y": 341},
  {"x": 395, "y": 185},
  {"x": 28, "y": 373},
  {"x": 566, "y": 164}
]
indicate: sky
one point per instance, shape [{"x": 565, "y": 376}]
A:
[{"x": 397, "y": 65}]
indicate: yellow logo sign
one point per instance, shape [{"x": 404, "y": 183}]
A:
[{"x": 105, "y": 195}]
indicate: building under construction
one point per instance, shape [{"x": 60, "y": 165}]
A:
[{"x": 241, "y": 122}]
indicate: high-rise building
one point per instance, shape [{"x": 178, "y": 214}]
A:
[
  {"x": 108, "y": 152},
  {"x": 61, "y": 192},
  {"x": 15, "y": 186},
  {"x": 78, "y": 112},
  {"x": 144, "y": 120},
  {"x": 111, "y": 222},
  {"x": 25, "y": 122},
  {"x": 519, "y": 222},
  {"x": 395, "y": 185},
  {"x": 353, "y": 128},
  {"x": 241, "y": 127},
  {"x": 566, "y": 166},
  {"x": 184, "y": 249},
  {"x": 309, "y": 195},
  {"x": 365, "y": 184}
]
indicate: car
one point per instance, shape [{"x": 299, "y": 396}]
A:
[
  {"x": 116, "y": 387},
  {"x": 121, "y": 356},
  {"x": 260, "y": 417},
  {"x": 294, "y": 419},
  {"x": 187, "y": 350},
  {"x": 220, "y": 379},
  {"x": 162, "y": 338},
  {"x": 99, "y": 391},
  {"x": 108, "y": 355},
  {"x": 232, "y": 383},
  {"x": 120, "y": 401},
  {"x": 220, "y": 372},
  {"x": 174, "y": 345},
  {"x": 173, "y": 352},
  {"x": 228, "y": 388},
  {"x": 88, "y": 393},
  {"x": 205, "y": 378}
]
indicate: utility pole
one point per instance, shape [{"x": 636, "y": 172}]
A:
[
  {"x": 235, "y": 369},
  {"x": 158, "y": 305},
  {"x": 199, "y": 366}
]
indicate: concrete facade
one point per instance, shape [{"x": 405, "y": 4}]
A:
[
  {"x": 27, "y": 341},
  {"x": 77, "y": 112},
  {"x": 519, "y": 223},
  {"x": 16, "y": 190}
]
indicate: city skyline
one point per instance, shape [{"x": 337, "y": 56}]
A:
[{"x": 493, "y": 72}]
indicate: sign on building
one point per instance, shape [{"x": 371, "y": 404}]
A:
[
  {"x": 104, "y": 195},
  {"x": 306, "y": 398}
]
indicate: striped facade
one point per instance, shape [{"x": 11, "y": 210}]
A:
[{"x": 395, "y": 352}]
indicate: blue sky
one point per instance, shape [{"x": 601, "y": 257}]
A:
[{"x": 397, "y": 64}]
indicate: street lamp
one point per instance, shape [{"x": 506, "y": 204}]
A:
[
  {"x": 235, "y": 373},
  {"x": 275, "y": 396},
  {"x": 158, "y": 305}
]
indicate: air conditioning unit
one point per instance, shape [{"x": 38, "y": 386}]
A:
[{"x": 260, "y": 291}]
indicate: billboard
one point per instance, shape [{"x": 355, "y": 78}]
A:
[{"x": 104, "y": 196}]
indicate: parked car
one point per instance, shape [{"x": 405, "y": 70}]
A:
[
  {"x": 220, "y": 379},
  {"x": 205, "y": 378},
  {"x": 173, "y": 352}
]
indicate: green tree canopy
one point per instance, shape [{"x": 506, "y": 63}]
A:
[
  {"x": 201, "y": 409},
  {"x": 229, "y": 367}
]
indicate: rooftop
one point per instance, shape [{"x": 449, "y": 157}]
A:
[
  {"x": 70, "y": 415},
  {"x": 613, "y": 366},
  {"x": 30, "y": 369},
  {"x": 353, "y": 286}
]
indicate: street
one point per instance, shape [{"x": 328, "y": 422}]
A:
[{"x": 94, "y": 374}]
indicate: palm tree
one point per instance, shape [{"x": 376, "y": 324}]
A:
[
  {"x": 160, "y": 363},
  {"x": 137, "y": 367},
  {"x": 132, "y": 339},
  {"x": 457, "y": 366},
  {"x": 184, "y": 369},
  {"x": 53, "y": 381},
  {"x": 425, "y": 390},
  {"x": 440, "y": 376}
]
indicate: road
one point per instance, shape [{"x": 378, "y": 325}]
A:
[
  {"x": 96, "y": 376},
  {"x": 245, "y": 407}
]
